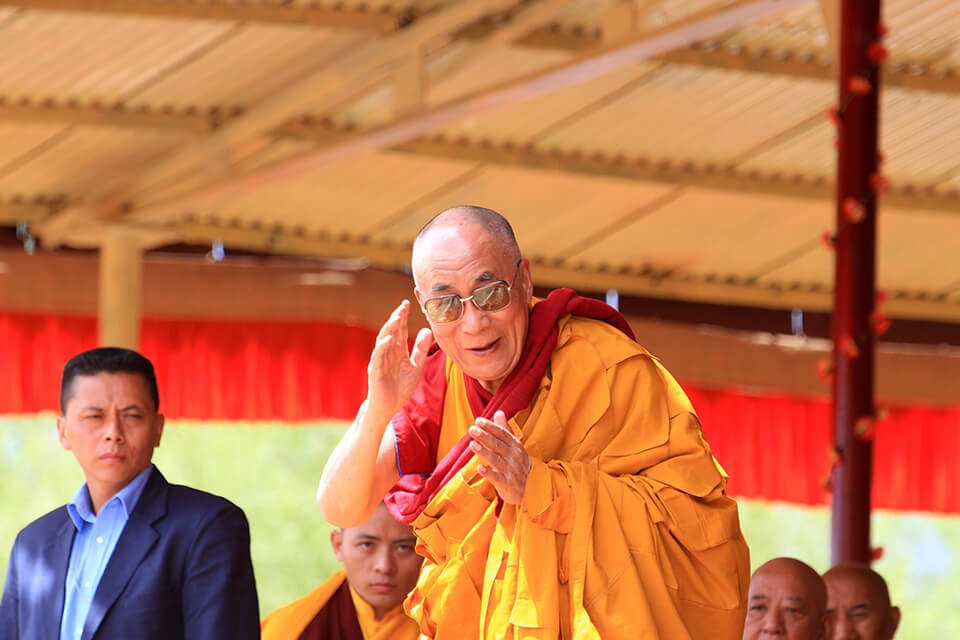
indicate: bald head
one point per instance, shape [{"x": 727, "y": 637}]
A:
[
  {"x": 787, "y": 598},
  {"x": 858, "y": 604},
  {"x": 462, "y": 218}
]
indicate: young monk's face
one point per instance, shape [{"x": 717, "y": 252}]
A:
[
  {"x": 487, "y": 345},
  {"x": 379, "y": 558}
]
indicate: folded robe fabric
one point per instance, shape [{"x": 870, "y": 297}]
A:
[{"x": 624, "y": 530}]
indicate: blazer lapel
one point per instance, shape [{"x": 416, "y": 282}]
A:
[
  {"x": 136, "y": 541},
  {"x": 58, "y": 553}
]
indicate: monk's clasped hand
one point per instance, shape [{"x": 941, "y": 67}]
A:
[{"x": 503, "y": 460}]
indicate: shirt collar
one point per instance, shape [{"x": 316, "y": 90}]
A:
[{"x": 80, "y": 507}]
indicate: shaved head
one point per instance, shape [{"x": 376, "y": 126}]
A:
[
  {"x": 787, "y": 598},
  {"x": 494, "y": 224},
  {"x": 858, "y": 603}
]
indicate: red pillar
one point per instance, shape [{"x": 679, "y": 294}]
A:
[{"x": 855, "y": 277}]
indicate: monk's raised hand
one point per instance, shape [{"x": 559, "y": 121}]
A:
[
  {"x": 394, "y": 369},
  {"x": 503, "y": 460}
]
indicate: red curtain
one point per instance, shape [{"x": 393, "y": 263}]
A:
[{"x": 775, "y": 447}]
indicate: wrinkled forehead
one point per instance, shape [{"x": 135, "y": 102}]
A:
[
  {"x": 781, "y": 584},
  {"x": 451, "y": 248},
  {"x": 848, "y": 588}
]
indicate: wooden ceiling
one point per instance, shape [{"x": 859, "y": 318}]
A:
[{"x": 665, "y": 148}]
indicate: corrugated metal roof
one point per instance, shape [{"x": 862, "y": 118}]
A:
[{"x": 665, "y": 171}]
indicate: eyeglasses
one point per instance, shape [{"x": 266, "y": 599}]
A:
[{"x": 490, "y": 297}]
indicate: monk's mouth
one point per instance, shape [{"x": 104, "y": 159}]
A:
[{"x": 487, "y": 348}]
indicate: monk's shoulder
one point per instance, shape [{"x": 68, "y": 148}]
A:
[{"x": 610, "y": 344}]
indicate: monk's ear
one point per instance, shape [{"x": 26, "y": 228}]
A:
[
  {"x": 894, "y": 620},
  {"x": 336, "y": 541},
  {"x": 528, "y": 280}
]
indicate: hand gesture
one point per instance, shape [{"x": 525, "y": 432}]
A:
[
  {"x": 394, "y": 370},
  {"x": 503, "y": 460}
]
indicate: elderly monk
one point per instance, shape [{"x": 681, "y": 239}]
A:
[
  {"x": 858, "y": 604},
  {"x": 788, "y": 600},
  {"x": 554, "y": 472},
  {"x": 364, "y": 600}
]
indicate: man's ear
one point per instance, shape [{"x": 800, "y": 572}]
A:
[
  {"x": 336, "y": 541},
  {"x": 894, "y": 620},
  {"x": 62, "y": 432},
  {"x": 161, "y": 423}
]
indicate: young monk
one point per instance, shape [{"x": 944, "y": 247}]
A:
[{"x": 363, "y": 601}]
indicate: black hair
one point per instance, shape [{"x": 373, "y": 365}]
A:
[{"x": 107, "y": 360}]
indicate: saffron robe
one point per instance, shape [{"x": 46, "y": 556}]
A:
[
  {"x": 334, "y": 611},
  {"x": 624, "y": 530}
]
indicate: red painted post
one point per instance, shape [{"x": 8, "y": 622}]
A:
[{"x": 858, "y": 186}]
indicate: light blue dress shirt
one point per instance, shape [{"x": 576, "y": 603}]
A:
[{"x": 96, "y": 538}]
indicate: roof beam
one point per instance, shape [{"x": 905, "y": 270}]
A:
[
  {"x": 346, "y": 75},
  {"x": 720, "y": 177},
  {"x": 383, "y": 19},
  {"x": 724, "y": 178},
  {"x": 698, "y": 27},
  {"x": 342, "y": 75},
  {"x": 283, "y": 241},
  {"x": 897, "y": 73},
  {"x": 98, "y": 114},
  {"x": 30, "y": 210},
  {"x": 900, "y": 73}
]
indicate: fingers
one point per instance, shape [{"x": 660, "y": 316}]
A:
[
  {"x": 503, "y": 460},
  {"x": 396, "y": 322},
  {"x": 421, "y": 347},
  {"x": 495, "y": 430}
]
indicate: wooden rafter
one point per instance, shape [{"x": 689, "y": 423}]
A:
[
  {"x": 15, "y": 210},
  {"x": 905, "y": 74},
  {"x": 546, "y": 274},
  {"x": 112, "y": 115},
  {"x": 384, "y": 19},
  {"x": 343, "y": 75},
  {"x": 680, "y": 34},
  {"x": 900, "y": 73},
  {"x": 577, "y": 162},
  {"x": 724, "y": 178},
  {"x": 897, "y": 73}
]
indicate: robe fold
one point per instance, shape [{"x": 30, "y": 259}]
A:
[
  {"x": 624, "y": 530},
  {"x": 334, "y": 611}
]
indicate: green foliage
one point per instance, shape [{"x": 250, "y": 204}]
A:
[{"x": 271, "y": 471}]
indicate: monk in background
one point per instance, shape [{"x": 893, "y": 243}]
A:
[
  {"x": 364, "y": 600},
  {"x": 554, "y": 472},
  {"x": 858, "y": 604},
  {"x": 787, "y": 600}
]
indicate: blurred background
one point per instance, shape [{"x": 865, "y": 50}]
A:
[{"x": 233, "y": 188}]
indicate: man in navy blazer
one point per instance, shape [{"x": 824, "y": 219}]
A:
[{"x": 132, "y": 556}]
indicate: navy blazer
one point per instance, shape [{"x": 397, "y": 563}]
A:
[{"x": 181, "y": 569}]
